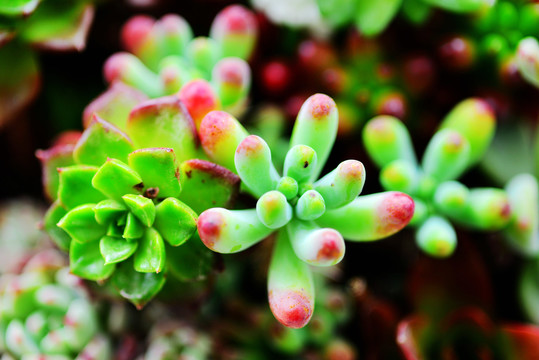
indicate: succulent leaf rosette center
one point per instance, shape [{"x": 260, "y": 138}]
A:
[{"x": 311, "y": 215}]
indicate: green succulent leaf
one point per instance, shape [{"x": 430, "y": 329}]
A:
[
  {"x": 150, "y": 255},
  {"x": 134, "y": 229},
  {"x": 115, "y": 179},
  {"x": 137, "y": 287},
  {"x": 108, "y": 210},
  {"x": 158, "y": 169},
  {"x": 59, "y": 25},
  {"x": 191, "y": 261},
  {"x": 81, "y": 225},
  {"x": 86, "y": 261},
  {"x": 142, "y": 207},
  {"x": 75, "y": 186},
  {"x": 18, "y": 7},
  {"x": 374, "y": 16},
  {"x": 206, "y": 185},
  {"x": 114, "y": 249},
  {"x": 164, "y": 122},
  {"x": 100, "y": 141},
  {"x": 175, "y": 221},
  {"x": 458, "y": 5},
  {"x": 53, "y": 215}
]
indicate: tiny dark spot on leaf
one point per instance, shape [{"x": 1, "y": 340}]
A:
[
  {"x": 203, "y": 181},
  {"x": 139, "y": 186},
  {"x": 188, "y": 173},
  {"x": 151, "y": 193},
  {"x": 305, "y": 164}
]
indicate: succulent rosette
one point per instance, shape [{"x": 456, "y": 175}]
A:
[
  {"x": 163, "y": 58},
  {"x": 124, "y": 202},
  {"x": 42, "y": 24},
  {"x": 311, "y": 217},
  {"x": 47, "y": 314},
  {"x": 460, "y": 142}
]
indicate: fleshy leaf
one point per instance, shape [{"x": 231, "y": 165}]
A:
[
  {"x": 159, "y": 171},
  {"x": 203, "y": 53},
  {"x": 108, "y": 210},
  {"x": 191, "y": 261},
  {"x": 114, "y": 105},
  {"x": 199, "y": 99},
  {"x": 374, "y": 16},
  {"x": 220, "y": 134},
  {"x": 235, "y": 30},
  {"x": 290, "y": 285},
  {"x": 76, "y": 186},
  {"x": 474, "y": 119},
  {"x": 101, "y": 140},
  {"x": 458, "y": 5},
  {"x": 137, "y": 287},
  {"x": 87, "y": 262},
  {"x": 164, "y": 122},
  {"x": 528, "y": 60},
  {"x": 142, "y": 207},
  {"x": 436, "y": 237},
  {"x": 53, "y": 215},
  {"x": 115, "y": 179},
  {"x": 300, "y": 163},
  {"x": 114, "y": 249},
  {"x": 150, "y": 255},
  {"x": 227, "y": 231},
  {"x": 18, "y": 7},
  {"x": 523, "y": 229},
  {"x": 310, "y": 206},
  {"x": 128, "y": 69},
  {"x": 231, "y": 78},
  {"x": 316, "y": 246},
  {"x": 58, "y": 25},
  {"x": 342, "y": 185},
  {"x": 134, "y": 229},
  {"x": 486, "y": 209},
  {"x": 446, "y": 156},
  {"x": 451, "y": 198},
  {"x": 206, "y": 185},
  {"x": 370, "y": 217},
  {"x": 81, "y": 225},
  {"x": 316, "y": 127},
  {"x": 273, "y": 209},
  {"x": 387, "y": 139},
  {"x": 253, "y": 164},
  {"x": 175, "y": 221}
]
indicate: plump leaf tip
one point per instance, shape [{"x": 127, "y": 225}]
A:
[{"x": 312, "y": 215}]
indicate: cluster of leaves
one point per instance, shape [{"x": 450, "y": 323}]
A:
[
  {"x": 25, "y": 25},
  {"x": 47, "y": 313},
  {"x": 163, "y": 57},
  {"x": 462, "y": 139},
  {"x": 311, "y": 216},
  {"x": 119, "y": 205}
]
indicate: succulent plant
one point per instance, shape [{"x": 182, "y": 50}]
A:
[
  {"x": 47, "y": 314},
  {"x": 41, "y": 24},
  {"x": 312, "y": 217},
  {"x": 120, "y": 198},
  {"x": 527, "y": 59},
  {"x": 164, "y": 58},
  {"x": 461, "y": 140}
]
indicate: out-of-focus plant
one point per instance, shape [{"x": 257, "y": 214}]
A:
[
  {"x": 373, "y": 17},
  {"x": 25, "y": 25},
  {"x": 47, "y": 313},
  {"x": 461, "y": 141},
  {"x": 452, "y": 301},
  {"x": 312, "y": 217},
  {"x": 163, "y": 56},
  {"x": 124, "y": 202}
]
